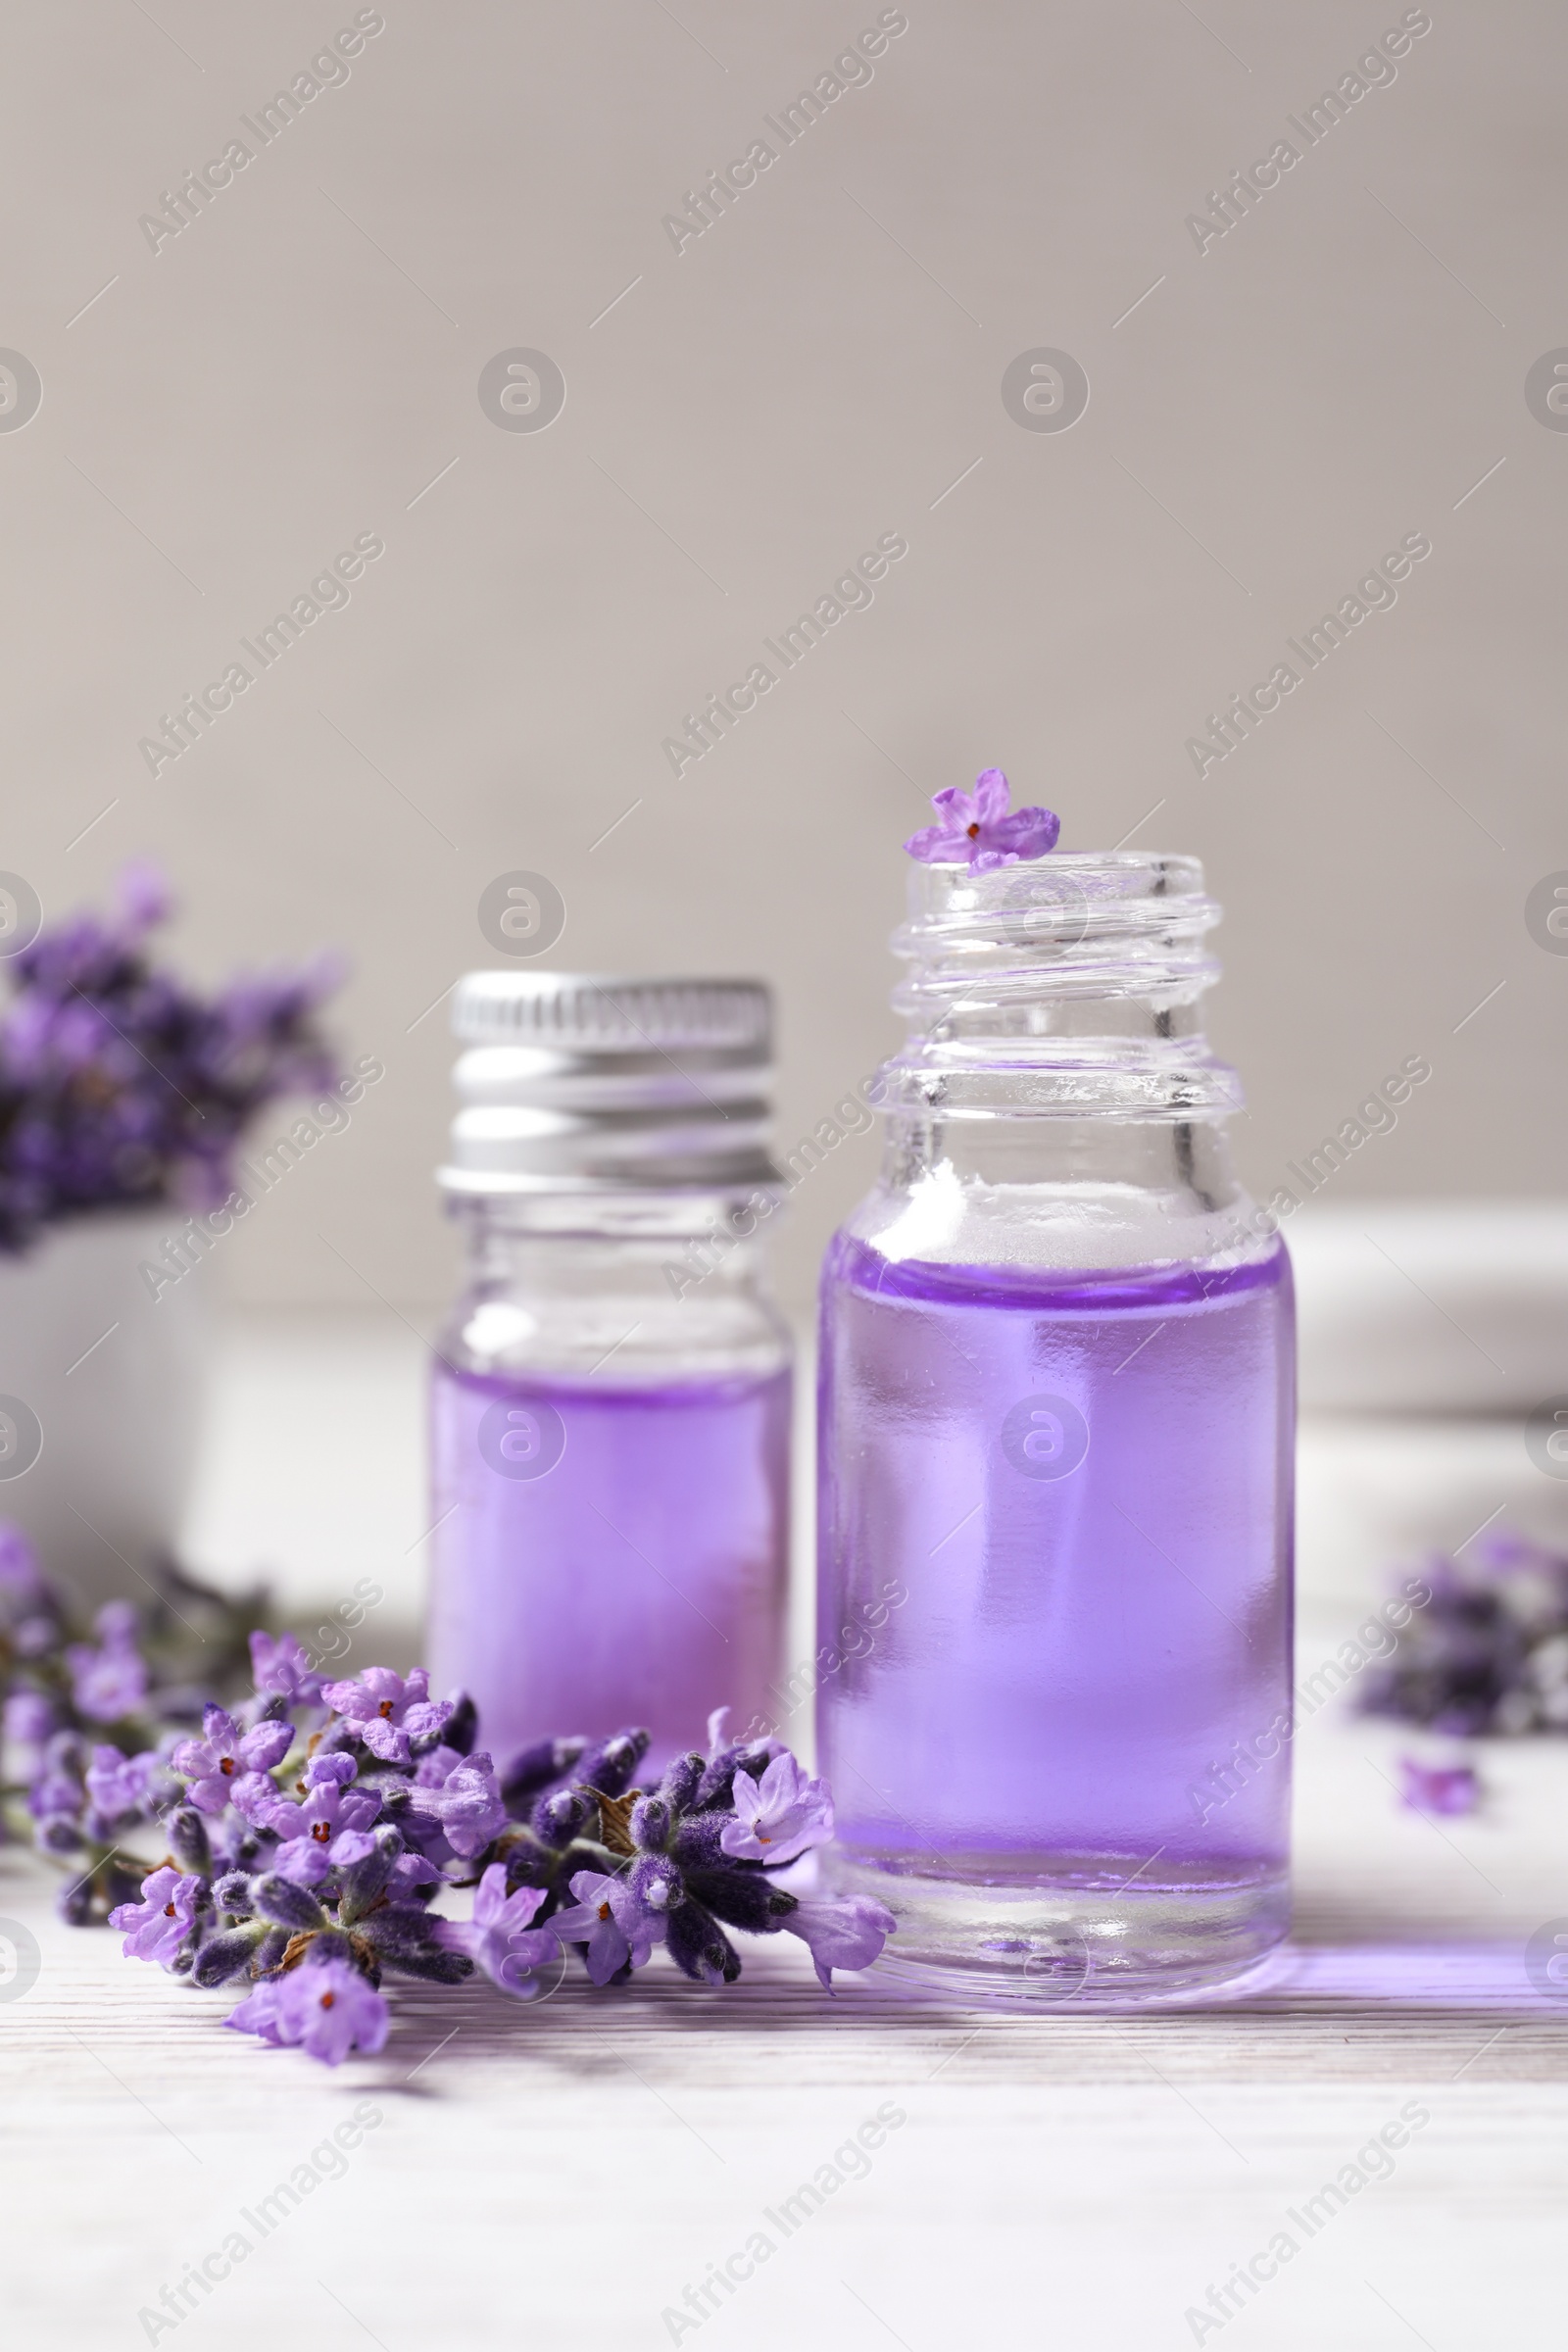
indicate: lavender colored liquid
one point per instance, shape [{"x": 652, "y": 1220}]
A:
[
  {"x": 639, "y": 1579},
  {"x": 1083, "y": 1483}
]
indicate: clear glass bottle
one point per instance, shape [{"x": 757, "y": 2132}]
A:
[
  {"x": 1057, "y": 1432},
  {"x": 611, "y": 1398}
]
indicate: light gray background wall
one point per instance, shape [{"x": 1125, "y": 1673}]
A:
[{"x": 300, "y": 365}]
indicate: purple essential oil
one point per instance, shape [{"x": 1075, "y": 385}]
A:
[
  {"x": 1077, "y": 1482},
  {"x": 638, "y": 1575}
]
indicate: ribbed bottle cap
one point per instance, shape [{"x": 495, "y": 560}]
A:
[
  {"x": 583, "y": 1081},
  {"x": 593, "y": 1011}
]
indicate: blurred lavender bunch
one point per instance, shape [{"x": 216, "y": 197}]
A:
[
  {"x": 92, "y": 1711},
  {"x": 1489, "y": 1653},
  {"x": 120, "y": 1086},
  {"x": 313, "y": 1827}
]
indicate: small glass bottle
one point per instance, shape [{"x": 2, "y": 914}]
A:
[
  {"x": 1056, "y": 1429},
  {"x": 611, "y": 1398}
]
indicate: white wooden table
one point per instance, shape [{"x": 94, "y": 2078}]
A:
[{"x": 561, "y": 2174}]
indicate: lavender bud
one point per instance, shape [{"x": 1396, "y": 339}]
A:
[
  {"x": 651, "y": 1824},
  {"x": 433, "y": 1962},
  {"x": 65, "y": 1752},
  {"x": 120, "y": 1884},
  {"x": 269, "y": 1953},
  {"x": 743, "y": 1897},
  {"x": 462, "y": 1726},
  {"x": 330, "y": 1944},
  {"x": 285, "y": 1904},
  {"x": 656, "y": 1883},
  {"x": 529, "y": 1866},
  {"x": 58, "y": 1834},
  {"x": 363, "y": 1881},
  {"x": 718, "y": 1777},
  {"x": 232, "y": 1892},
  {"x": 561, "y": 1818},
  {"x": 697, "y": 1840},
  {"x": 681, "y": 1782},
  {"x": 699, "y": 1945},
  {"x": 399, "y": 1928},
  {"x": 73, "y": 1903},
  {"x": 222, "y": 1956},
  {"x": 188, "y": 1841},
  {"x": 536, "y": 1767},
  {"x": 608, "y": 1767}
]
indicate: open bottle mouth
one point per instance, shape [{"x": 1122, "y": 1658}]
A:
[
  {"x": 1125, "y": 922},
  {"x": 1078, "y": 976}
]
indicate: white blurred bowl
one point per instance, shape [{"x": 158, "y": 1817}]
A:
[{"x": 115, "y": 1381}]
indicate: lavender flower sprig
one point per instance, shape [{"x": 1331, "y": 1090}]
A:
[
  {"x": 92, "y": 1712},
  {"x": 1487, "y": 1653},
  {"x": 301, "y": 1836},
  {"x": 120, "y": 1086},
  {"x": 304, "y": 1856}
]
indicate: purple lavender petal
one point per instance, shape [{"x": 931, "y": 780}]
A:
[
  {"x": 254, "y": 1795},
  {"x": 992, "y": 794},
  {"x": 327, "y": 2009},
  {"x": 145, "y": 898},
  {"x": 351, "y": 1846},
  {"x": 938, "y": 845},
  {"x": 266, "y": 1745},
  {"x": 158, "y": 1926},
  {"x": 29, "y": 1718},
  {"x": 302, "y": 1862},
  {"x": 779, "y": 1815},
  {"x": 119, "y": 1785},
  {"x": 258, "y": 2014},
  {"x": 841, "y": 1935},
  {"x": 498, "y": 1938},
  {"x": 1449, "y": 1789},
  {"x": 413, "y": 1870},
  {"x": 388, "y": 1741},
  {"x": 284, "y": 1665},
  {"x": 608, "y": 1920},
  {"x": 1027, "y": 832},
  {"x": 466, "y": 1807},
  {"x": 106, "y": 1684}
]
